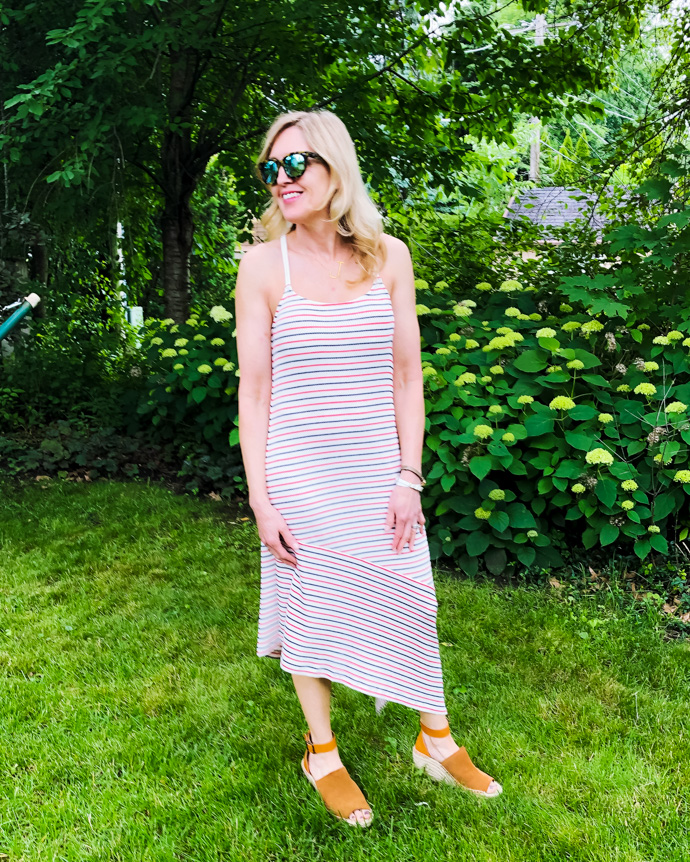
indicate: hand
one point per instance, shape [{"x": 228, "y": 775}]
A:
[
  {"x": 404, "y": 511},
  {"x": 275, "y": 534}
]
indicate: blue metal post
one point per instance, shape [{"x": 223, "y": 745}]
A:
[{"x": 20, "y": 313}]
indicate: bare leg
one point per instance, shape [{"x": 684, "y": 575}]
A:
[
  {"x": 442, "y": 747},
  {"x": 315, "y": 698}
]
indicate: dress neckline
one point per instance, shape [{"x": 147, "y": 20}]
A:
[{"x": 375, "y": 282}]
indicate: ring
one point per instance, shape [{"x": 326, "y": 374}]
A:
[{"x": 417, "y": 528}]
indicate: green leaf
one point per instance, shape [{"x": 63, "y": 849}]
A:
[
  {"x": 589, "y": 360},
  {"x": 526, "y": 555},
  {"x": 538, "y": 425},
  {"x": 234, "y": 437},
  {"x": 666, "y": 503},
  {"x": 469, "y": 565},
  {"x": 580, "y": 441},
  {"x": 495, "y": 560},
  {"x": 530, "y": 361},
  {"x": 659, "y": 543},
  {"x": 582, "y": 412},
  {"x": 447, "y": 481},
  {"x": 569, "y": 469},
  {"x": 642, "y": 548},
  {"x": 609, "y": 534},
  {"x": 480, "y": 466},
  {"x": 549, "y": 344},
  {"x": 198, "y": 394},
  {"x": 477, "y": 543},
  {"x": 520, "y": 517},
  {"x": 499, "y": 521},
  {"x": 606, "y": 490},
  {"x": 596, "y": 380}
]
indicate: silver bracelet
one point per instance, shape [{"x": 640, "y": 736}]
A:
[{"x": 405, "y": 484}]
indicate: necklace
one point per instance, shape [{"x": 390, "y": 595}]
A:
[{"x": 323, "y": 265}]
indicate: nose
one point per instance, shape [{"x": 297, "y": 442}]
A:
[{"x": 282, "y": 178}]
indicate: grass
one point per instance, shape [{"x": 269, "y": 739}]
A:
[{"x": 137, "y": 724}]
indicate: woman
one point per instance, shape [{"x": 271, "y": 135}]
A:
[{"x": 331, "y": 427}]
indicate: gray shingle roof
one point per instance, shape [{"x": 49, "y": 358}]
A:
[{"x": 555, "y": 206}]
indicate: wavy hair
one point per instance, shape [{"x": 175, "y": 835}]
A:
[{"x": 349, "y": 205}]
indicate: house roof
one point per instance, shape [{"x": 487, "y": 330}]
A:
[{"x": 554, "y": 207}]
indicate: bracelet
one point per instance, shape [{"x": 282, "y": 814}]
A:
[
  {"x": 405, "y": 484},
  {"x": 416, "y": 472}
]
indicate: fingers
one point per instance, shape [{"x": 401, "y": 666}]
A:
[
  {"x": 404, "y": 534},
  {"x": 283, "y": 545}
]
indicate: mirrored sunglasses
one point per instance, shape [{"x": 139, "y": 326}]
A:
[{"x": 294, "y": 165}]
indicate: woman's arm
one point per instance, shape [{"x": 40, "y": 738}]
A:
[
  {"x": 254, "y": 321},
  {"x": 408, "y": 391}
]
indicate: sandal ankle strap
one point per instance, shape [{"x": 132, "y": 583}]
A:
[
  {"x": 430, "y": 731},
  {"x": 321, "y": 748}
]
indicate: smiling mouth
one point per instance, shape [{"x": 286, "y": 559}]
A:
[{"x": 290, "y": 196}]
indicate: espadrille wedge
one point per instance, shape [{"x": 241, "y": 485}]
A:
[
  {"x": 457, "y": 769},
  {"x": 340, "y": 794}
]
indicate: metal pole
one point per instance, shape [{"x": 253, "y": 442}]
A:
[
  {"x": 29, "y": 303},
  {"x": 535, "y": 146}
]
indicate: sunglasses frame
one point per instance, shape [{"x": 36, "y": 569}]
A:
[{"x": 281, "y": 164}]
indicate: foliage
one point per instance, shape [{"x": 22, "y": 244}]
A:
[
  {"x": 192, "y": 396},
  {"x": 70, "y": 448},
  {"x": 558, "y": 414},
  {"x": 543, "y": 436},
  {"x": 81, "y": 361},
  {"x": 103, "y": 97}
]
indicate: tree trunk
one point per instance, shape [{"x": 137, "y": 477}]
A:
[
  {"x": 178, "y": 235},
  {"x": 183, "y": 165}
]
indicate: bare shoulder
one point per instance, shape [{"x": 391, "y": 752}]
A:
[
  {"x": 397, "y": 269},
  {"x": 260, "y": 259},
  {"x": 259, "y": 278},
  {"x": 397, "y": 251}
]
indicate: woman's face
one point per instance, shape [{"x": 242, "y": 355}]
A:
[{"x": 303, "y": 198}]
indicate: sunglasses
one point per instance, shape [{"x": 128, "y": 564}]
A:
[{"x": 294, "y": 165}]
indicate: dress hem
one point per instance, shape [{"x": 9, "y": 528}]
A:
[{"x": 370, "y": 692}]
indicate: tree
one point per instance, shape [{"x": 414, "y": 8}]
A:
[{"x": 161, "y": 86}]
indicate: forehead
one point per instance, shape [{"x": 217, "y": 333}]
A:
[{"x": 288, "y": 141}]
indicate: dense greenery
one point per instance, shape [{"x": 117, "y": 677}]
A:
[
  {"x": 138, "y": 724},
  {"x": 114, "y": 111}
]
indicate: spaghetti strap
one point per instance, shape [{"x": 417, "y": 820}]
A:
[{"x": 286, "y": 262}]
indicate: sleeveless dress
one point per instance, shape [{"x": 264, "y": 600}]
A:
[{"x": 352, "y": 610}]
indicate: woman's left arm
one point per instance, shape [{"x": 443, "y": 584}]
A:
[{"x": 404, "y": 507}]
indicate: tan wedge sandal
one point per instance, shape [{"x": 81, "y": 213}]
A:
[
  {"x": 340, "y": 794},
  {"x": 457, "y": 769}
]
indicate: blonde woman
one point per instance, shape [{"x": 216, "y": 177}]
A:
[{"x": 331, "y": 427}]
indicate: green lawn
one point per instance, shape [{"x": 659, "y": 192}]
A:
[{"x": 137, "y": 723}]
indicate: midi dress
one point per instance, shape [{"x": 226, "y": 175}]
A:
[{"x": 352, "y": 610}]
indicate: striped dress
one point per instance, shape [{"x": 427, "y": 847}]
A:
[{"x": 352, "y": 610}]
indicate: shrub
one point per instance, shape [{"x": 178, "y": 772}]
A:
[
  {"x": 192, "y": 396},
  {"x": 582, "y": 423}
]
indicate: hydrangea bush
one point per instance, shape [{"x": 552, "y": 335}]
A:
[
  {"x": 193, "y": 394},
  {"x": 548, "y": 427}
]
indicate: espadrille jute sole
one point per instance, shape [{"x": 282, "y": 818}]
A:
[{"x": 438, "y": 772}]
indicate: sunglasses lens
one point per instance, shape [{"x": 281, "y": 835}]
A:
[
  {"x": 295, "y": 165},
  {"x": 269, "y": 172}
]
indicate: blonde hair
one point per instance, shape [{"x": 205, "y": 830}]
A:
[{"x": 350, "y": 207}]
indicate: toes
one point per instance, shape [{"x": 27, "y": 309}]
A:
[
  {"x": 361, "y": 817},
  {"x": 495, "y": 789}
]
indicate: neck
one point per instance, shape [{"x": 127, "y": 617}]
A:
[{"x": 318, "y": 237}]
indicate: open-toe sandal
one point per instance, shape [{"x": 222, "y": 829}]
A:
[
  {"x": 457, "y": 769},
  {"x": 340, "y": 794}
]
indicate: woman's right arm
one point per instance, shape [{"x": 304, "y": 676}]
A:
[{"x": 254, "y": 321}]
